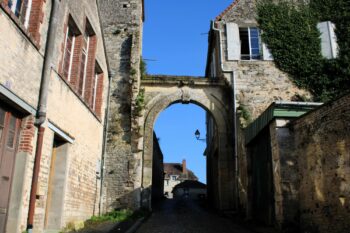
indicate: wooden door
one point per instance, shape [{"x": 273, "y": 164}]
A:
[
  {"x": 9, "y": 130},
  {"x": 51, "y": 178}
]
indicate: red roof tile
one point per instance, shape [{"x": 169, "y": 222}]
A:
[
  {"x": 176, "y": 169},
  {"x": 230, "y": 7}
]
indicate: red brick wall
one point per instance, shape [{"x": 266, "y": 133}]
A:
[
  {"x": 36, "y": 19},
  {"x": 99, "y": 96},
  {"x": 27, "y": 135}
]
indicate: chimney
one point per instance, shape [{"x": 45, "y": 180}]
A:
[{"x": 184, "y": 169}]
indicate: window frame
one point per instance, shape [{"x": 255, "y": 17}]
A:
[
  {"x": 83, "y": 64},
  {"x": 251, "y": 56},
  {"x": 71, "y": 56},
  {"x": 21, "y": 10}
]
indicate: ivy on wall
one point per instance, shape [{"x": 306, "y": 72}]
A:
[{"x": 290, "y": 31}]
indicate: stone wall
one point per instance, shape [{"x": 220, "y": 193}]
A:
[
  {"x": 285, "y": 175},
  {"x": 257, "y": 82},
  {"x": 158, "y": 171},
  {"x": 322, "y": 142},
  {"x": 13, "y": 45},
  {"x": 122, "y": 28},
  {"x": 310, "y": 164}
]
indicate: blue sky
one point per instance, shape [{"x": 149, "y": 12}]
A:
[{"x": 175, "y": 42}]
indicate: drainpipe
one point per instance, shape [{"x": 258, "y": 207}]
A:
[
  {"x": 42, "y": 109},
  {"x": 104, "y": 142},
  {"x": 233, "y": 81}
]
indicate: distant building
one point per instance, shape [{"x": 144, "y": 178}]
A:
[
  {"x": 174, "y": 174},
  {"x": 192, "y": 189}
]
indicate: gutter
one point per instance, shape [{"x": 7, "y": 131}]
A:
[
  {"x": 42, "y": 110},
  {"x": 233, "y": 86}
]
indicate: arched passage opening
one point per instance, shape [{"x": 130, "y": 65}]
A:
[{"x": 219, "y": 154}]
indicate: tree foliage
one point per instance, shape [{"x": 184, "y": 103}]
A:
[{"x": 290, "y": 31}]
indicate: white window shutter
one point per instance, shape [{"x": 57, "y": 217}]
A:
[
  {"x": 329, "y": 46},
  {"x": 266, "y": 53},
  {"x": 333, "y": 37},
  {"x": 233, "y": 42}
]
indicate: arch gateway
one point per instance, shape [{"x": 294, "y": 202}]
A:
[{"x": 214, "y": 96}]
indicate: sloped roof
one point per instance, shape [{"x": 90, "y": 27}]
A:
[
  {"x": 193, "y": 184},
  {"x": 176, "y": 169},
  {"x": 278, "y": 109},
  {"x": 230, "y": 7}
]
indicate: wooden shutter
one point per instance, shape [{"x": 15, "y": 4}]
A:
[
  {"x": 233, "y": 42},
  {"x": 267, "y": 56},
  {"x": 329, "y": 46}
]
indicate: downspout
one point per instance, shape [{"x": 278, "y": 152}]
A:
[
  {"x": 42, "y": 109},
  {"x": 104, "y": 142},
  {"x": 233, "y": 83}
]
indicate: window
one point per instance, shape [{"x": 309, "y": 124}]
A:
[
  {"x": 79, "y": 67},
  {"x": 83, "y": 64},
  {"x": 250, "y": 43},
  {"x": 68, "y": 51},
  {"x": 21, "y": 9},
  {"x": 87, "y": 71},
  {"x": 173, "y": 177},
  {"x": 2, "y": 122},
  {"x": 11, "y": 133},
  {"x": 95, "y": 86}
]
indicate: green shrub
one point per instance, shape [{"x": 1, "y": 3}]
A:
[
  {"x": 290, "y": 31},
  {"x": 114, "y": 216}
]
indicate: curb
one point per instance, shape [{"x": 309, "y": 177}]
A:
[{"x": 137, "y": 224}]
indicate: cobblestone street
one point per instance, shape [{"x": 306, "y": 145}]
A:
[{"x": 186, "y": 216}]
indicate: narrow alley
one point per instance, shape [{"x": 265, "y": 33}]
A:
[{"x": 187, "y": 216}]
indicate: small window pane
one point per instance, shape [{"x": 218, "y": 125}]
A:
[
  {"x": 11, "y": 133},
  {"x": 12, "y": 123},
  {"x": 243, "y": 35},
  {"x": 254, "y": 32},
  {"x": 2, "y": 121},
  {"x": 254, "y": 43},
  {"x": 2, "y": 116},
  {"x": 10, "y": 139},
  {"x": 255, "y": 51},
  {"x": 68, "y": 50}
]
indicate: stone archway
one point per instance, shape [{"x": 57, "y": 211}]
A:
[{"x": 211, "y": 96}]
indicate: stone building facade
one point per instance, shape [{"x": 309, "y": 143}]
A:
[
  {"x": 122, "y": 23},
  {"x": 237, "y": 55},
  {"x": 53, "y": 88}
]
